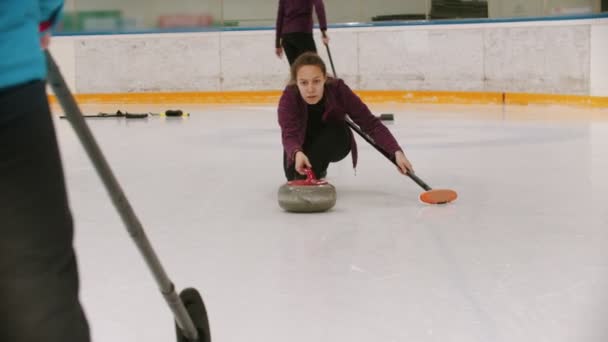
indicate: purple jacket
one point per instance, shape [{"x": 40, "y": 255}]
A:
[
  {"x": 340, "y": 100},
  {"x": 296, "y": 16}
]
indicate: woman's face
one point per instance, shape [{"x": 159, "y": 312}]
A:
[{"x": 311, "y": 82}]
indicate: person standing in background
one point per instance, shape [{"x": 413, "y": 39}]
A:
[
  {"x": 39, "y": 279},
  {"x": 294, "y": 27}
]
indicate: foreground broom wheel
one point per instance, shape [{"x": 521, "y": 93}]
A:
[{"x": 196, "y": 310}]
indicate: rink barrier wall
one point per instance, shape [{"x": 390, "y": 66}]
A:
[
  {"x": 562, "y": 60},
  {"x": 272, "y": 96}
]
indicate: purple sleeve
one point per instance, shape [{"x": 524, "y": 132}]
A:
[
  {"x": 279, "y": 27},
  {"x": 290, "y": 122},
  {"x": 320, "y": 10},
  {"x": 369, "y": 123}
]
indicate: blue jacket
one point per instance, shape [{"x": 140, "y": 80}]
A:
[{"x": 21, "y": 59}]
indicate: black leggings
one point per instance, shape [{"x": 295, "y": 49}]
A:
[
  {"x": 38, "y": 271},
  {"x": 297, "y": 43},
  {"x": 332, "y": 144}
]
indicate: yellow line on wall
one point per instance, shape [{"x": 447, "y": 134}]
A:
[
  {"x": 179, "y": 97},
  {"x": 372, "y": 96},
  {"x": 439, "y": 97},
  {"x": 556, "y": 99}
]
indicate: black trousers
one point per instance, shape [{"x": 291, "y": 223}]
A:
[
  {"x": 38, "y": 272},
  {"x": 331, "y": 144},
  {"x": 296, "y": 43}
]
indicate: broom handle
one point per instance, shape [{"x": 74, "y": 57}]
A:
[
  {"x": 122, "y": 205},
  {"x": 413, "y": 176}
]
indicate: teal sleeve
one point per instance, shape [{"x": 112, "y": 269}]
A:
[{"x": 50, "y": 13}]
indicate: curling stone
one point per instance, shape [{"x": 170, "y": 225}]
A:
[{"x": 308, "y": 195}]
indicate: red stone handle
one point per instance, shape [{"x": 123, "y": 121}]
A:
[
  {"x": 311, "y": 179},
  {"x": 310, "y": 175}
]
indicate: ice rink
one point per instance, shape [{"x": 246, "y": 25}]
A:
[{"x": 521, "y": 256}]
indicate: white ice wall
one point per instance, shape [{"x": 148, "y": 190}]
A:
[
  {"x": 599, "y": 59},
  {"x": 563, "y": 57}
]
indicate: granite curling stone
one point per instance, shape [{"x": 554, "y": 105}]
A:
[{"x": 308, "y": 195}]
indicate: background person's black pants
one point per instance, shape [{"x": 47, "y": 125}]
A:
[
  {"x": 38, "y": 271},
  {"x": 332, "y": 144},
  {"x": 296, "y": 43}
]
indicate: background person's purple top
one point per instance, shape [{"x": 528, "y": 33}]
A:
[
  {"x": 340, "y": 100},
  {"x": 296, "y": 16}
]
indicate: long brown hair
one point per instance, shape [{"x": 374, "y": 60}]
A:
[{"x": 307, "y": 58}]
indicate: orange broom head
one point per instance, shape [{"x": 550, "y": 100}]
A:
[{"x": 438, "y": 196}]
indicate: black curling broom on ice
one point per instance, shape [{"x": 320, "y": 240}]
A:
[
  {"x": 430, "y": 196},
  {"x": 188, "y": 308}
]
